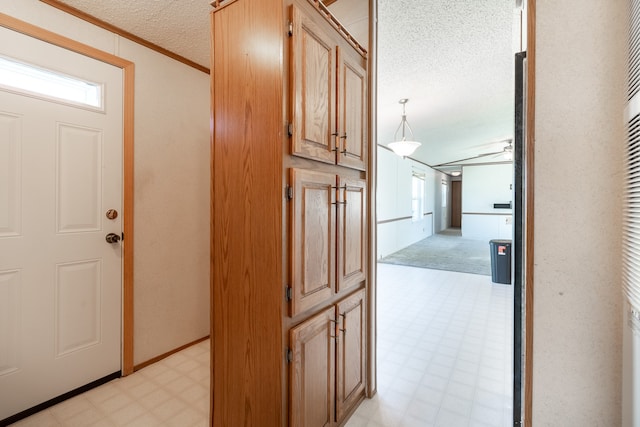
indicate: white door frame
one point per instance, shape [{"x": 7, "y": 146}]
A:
[{"x": 127, "y": 67}]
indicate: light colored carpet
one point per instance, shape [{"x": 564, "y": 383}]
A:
[{"x": 446, "y": 251}]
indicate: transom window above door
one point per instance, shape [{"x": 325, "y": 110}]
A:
[{"x": 27, "y": 79}]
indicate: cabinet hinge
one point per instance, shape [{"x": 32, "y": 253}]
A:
[
  {"x": 122, "y": 236},
  {"x": 288, "y": 293},
  {"x": 290, "y": 129},
  {"x": 289, "y": 192},
  {"x": 290, "y": 29},
  {"x": 289, "y": 355}
]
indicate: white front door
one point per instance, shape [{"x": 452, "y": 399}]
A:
[{"x": 60, "y": 281}]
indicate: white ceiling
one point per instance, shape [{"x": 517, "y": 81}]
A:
[
  {"x": 453, "y": 59},
  {"x": 180, "y": 26}
]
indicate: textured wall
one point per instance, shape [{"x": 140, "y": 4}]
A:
[
  {"x": 172, "y": 169},
  {"x": 482, "y": 186},
  {"x": 171, "y": 282},
  {"x": 394, "y": 200},
  {"x": 578, "y": 175}
]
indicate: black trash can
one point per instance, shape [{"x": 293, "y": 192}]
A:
[{"x": 500, "y": 261}]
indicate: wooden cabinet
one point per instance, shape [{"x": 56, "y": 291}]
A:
[
  {"x": 352, "y": 233},
  {"x": 352, "y": 110},
  {"x": 327, "y": 366},
  {"x": 312, "y": 371},
  {"x": 313, "y": 238},
  {"x": 351, "y": 353},
  {"x": 327, "y": 218},
  {"x": 289, "y": 215},
  {"x": 328, "y": 97}
]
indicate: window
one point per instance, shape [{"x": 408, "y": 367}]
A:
[
  {"x": 417, "y": 197},
  {"x": 28, "y": 79}
]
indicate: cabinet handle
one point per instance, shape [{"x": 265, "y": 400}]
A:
[
  {"x": 344, "y": 150},
  {"x": 344, "y": 187},
  {"x": 337, "y": 145},
  {"x": 344, "y": 318},
  {"x": 335, "y": 329}
]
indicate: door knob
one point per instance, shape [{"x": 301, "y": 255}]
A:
[{"x": 112, "y": 238}]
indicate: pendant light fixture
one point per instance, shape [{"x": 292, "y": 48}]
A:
[{"x": 403, "y": 147}]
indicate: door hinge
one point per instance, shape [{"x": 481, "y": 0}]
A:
[
  {"x": 288, "y": 293},
  {"x": 290, "y": 29},
  {"x": 289, "y": 355},
  {"x": 122, "y": 236},
  {"x": 289, "y": 192},
  {"x": 290, "y": 129}
]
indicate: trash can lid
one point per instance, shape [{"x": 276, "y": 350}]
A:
[{"x": 500, "y": 241}]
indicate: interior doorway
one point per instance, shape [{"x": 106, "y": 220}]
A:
[
  {"x": 456, "y": 204},
  {"x": 439, "y": 192}
]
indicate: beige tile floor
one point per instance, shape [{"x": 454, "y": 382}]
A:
[
  {"x": 171, "y": 392},
  {"x": 444, "y": 350}
]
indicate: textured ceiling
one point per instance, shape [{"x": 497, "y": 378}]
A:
[
  {"x": 180, "y": 26},
  {"x": 453, "y": 59}
]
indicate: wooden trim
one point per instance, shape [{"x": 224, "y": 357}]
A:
[
  {"x": 385, "y": 221},
  {"x": 219, "y": 4},
  {"x": 488, "y": 213},
  {"x": 529, "y": 180},
  {"x": 123, "y": 33},
  {"x": 329, "y": 2},
  {"x": 372, "y": 178},
  {"x": 128, "y": 144},
  {"x": 211, "y": 219},
  {"x": 127, "y": 221},
  {"x": 322, "y": 8},
  {"x": 168, "y": 353},
  {"x": 58, "y": 40}
]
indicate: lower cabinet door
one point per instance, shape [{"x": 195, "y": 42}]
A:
[
  {"x": 350, "y": 360},
  {"x": 312, "y": 371}
]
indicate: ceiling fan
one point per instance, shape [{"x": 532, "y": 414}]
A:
[{"x": 507, "y": 151}]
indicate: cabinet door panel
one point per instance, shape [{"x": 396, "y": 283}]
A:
[
  {"x": 313, "y": 88},
  {"x": 352, "y": 110},
  {"x": 350, "y": 361},
  {"x": 313, "y": 238},
  {"x": 312, "y": 374},
  {"x": 352, "y": 233}
]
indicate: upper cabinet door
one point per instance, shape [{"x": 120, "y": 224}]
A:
[
  {"x": 352, "y": 111},
  {"x": 352, "y": 232},
  {"x": 313, "y": 241},
  {"x": 313, "y": 88}
]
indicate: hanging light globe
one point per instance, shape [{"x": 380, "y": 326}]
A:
[{"x": 403, "y": 147}]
